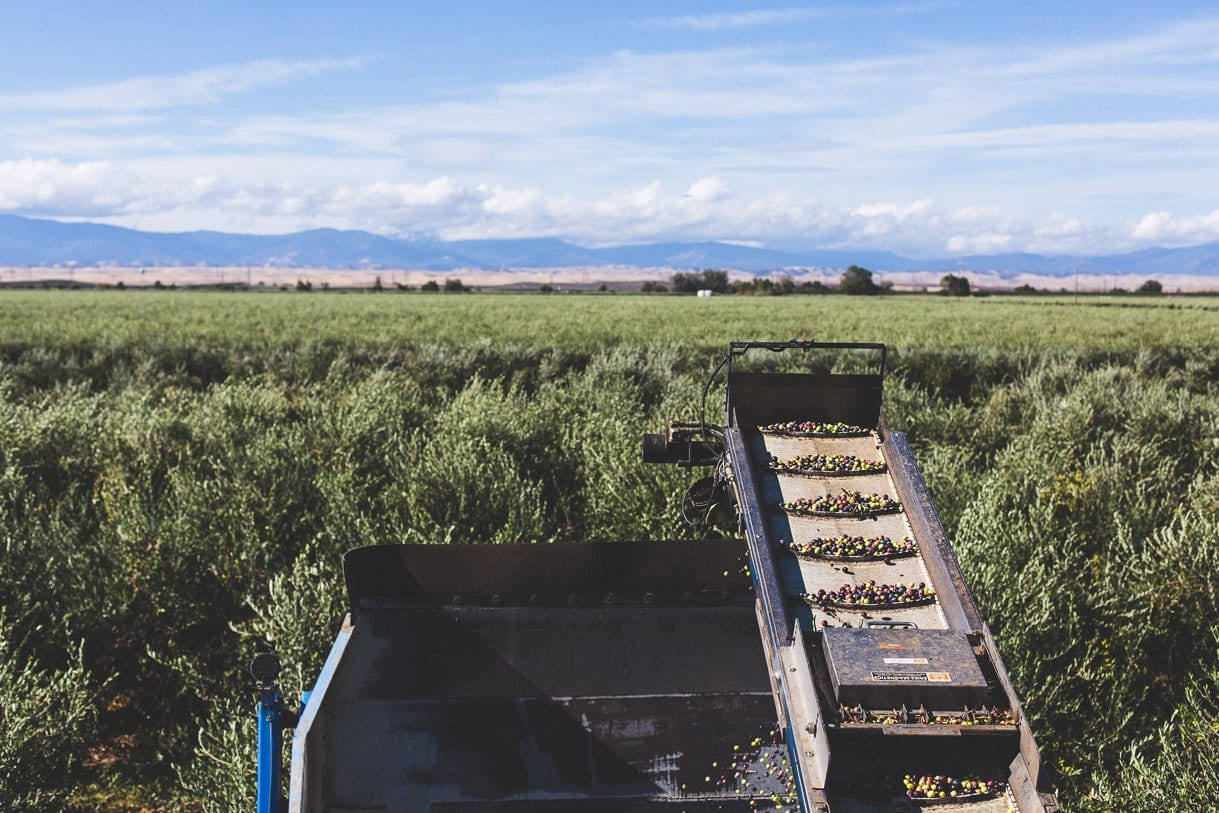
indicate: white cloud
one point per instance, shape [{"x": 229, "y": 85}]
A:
[
  {"x": 516, "y": 203},
  {"x": 704, "y": 209},
  {"x": 51, "y": 187},
  {"x": 708, "y": 189},
  {"x": 1059, "y": 135},
  {"x": 734, "y": 20},
  {"x": 929, "y": 147},
  {"x": 725, "y": 112},
  {"x": 1060, "y": 234},
  {"x": 1171, "y": 45},
  {"x": 200, "y": 87},
  {"x": 1162, "y": 228},
  {"x": 893, "y": 211},
  {"x": 978, "y": 243},
  {"x": 437, "y": 192},
  {"x": 1152, "y": 226}
]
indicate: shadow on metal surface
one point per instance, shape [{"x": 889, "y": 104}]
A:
[{"x": 600, "y": 676}]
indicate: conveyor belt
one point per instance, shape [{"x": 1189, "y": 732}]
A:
[
  {"x": 868, "y": 693},
  {"x": 801, "y": 576}
]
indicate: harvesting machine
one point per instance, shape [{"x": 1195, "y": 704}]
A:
[{"x": 829, "y": 659}]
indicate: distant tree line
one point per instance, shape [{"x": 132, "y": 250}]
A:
[
  {"x": 450, "y": 285},
  {"x": 1151, "y": 286},
  {"x": 782, "y": 286},
  {"x": 431, "y": 286},
  {"x": 710, "y": 279},
  {"x": 855, "y": 280}
]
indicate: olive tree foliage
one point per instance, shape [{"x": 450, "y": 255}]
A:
[
  {"x": 1177, "y": 767},
  {"x": 46, "y": 719},
  {"x": 1082, "y": 503},
  {"x": 166, "y": 509}
]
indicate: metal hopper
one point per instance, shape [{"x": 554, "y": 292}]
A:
[{"x": 600, "y": 676}]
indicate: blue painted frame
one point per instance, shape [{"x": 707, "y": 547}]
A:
[{"x": 270, "y": 750}]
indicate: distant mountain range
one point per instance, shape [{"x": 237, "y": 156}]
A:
[{"x": 27, "y": 241}]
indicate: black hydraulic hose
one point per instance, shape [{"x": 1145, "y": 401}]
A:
[
  {"x": 739, "y": 349},
  {"x": 702, "y": 417}
]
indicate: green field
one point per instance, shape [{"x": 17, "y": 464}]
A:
[
  {"x": 594, "y": 322},
  {"x": 180, "y": 471}
]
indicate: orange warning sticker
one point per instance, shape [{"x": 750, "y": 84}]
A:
[{"x": 939, "y": 677}]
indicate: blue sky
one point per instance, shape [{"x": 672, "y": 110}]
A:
[{"x": 927, "y": 128}]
